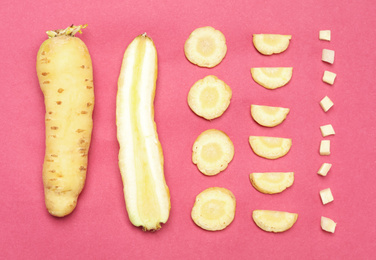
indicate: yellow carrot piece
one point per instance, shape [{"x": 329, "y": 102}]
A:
[
  {"x": 146, "y": 194},
  {"x": 65, "y": 76}
]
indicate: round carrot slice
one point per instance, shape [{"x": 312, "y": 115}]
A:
[
  {"x": 212, "y": 151},
  {"x": 214, "y": 209},
  {"x": 205, "y": 47},
  {"x": 209, "y": 97}
]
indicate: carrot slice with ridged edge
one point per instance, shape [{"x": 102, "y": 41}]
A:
[
  {"x": 274, "y": 221},
  {"x": 212, "y": 151},
  {"x": 272, "y": 77},
  {"x": 205, "y": 47},
  {"x": 214, "y": 209},
  {"x": 269, "y": 44},
  {"x": 270, "y": 147},
  {"x": 271, "y": 182},
  {"x": 209, "y": 97},
  {"x": 146, "y": 194}
]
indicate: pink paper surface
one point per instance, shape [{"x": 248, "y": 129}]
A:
[{"x": 99, "y": 227}]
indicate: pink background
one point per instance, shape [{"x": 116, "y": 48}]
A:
[{"x": 99, "y": 227}]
